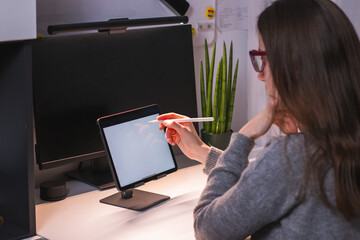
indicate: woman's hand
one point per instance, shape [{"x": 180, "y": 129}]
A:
[
  {"x": 261, "y": 123},
  {"x": 273, "y": 114},
  {"x": 185, "y": 136}
]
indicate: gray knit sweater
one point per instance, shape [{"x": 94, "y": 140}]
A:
[{"x": 262, "y": 199}]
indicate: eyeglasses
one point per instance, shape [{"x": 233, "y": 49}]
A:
[{"x": 257, "y": 60}]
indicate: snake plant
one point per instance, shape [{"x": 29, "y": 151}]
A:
[{"x": 222, "y": 104}]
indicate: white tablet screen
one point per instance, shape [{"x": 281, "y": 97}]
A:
[{"x": 138, "y": 150}]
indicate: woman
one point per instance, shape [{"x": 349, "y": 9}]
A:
[{"x": 305, "y": 185}]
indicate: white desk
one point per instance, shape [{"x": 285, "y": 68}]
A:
[{"x": 82, "y": 216}]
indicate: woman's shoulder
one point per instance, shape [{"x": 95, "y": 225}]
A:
[
  {"x": 292, "y": 140},
  {"x": 293, "y": 144},
  {"x": 283, "y": 153}
]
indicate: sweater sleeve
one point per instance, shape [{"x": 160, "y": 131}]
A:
[
  {"x": 215, "y": 153},
  {"x": 241, "y": 197},
  {"x": 212, "y": 159}
]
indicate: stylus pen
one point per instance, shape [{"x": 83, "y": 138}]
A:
[{"x": 205, "y": 119}]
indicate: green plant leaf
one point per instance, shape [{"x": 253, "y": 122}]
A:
[
  {"x": 202, "y": 90},
  {"x": 230, "y": 62},
  {"x": 224, "y": 71},
  {"x": 228, "y": 88},
  {"x": 216, "y": 106},
  {"x": 207, "y": 64},
  {"x": 232, "y": 98},
  {"x": 209, "y": 93},
  {"x": 222, "y": 117},
  {"x": 212, "y": 63}
]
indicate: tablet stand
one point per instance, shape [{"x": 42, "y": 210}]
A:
[{"x": 140, "y": 200}]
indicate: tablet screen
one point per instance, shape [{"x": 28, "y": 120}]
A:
[{"x": 138, "y": 150}]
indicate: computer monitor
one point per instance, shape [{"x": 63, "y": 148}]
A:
[{"x": 79, "y": 78}]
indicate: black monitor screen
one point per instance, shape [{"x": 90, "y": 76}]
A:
[{"x": 77, "y": 79}]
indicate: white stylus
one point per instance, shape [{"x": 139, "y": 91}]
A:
[{"x": 205, "y": 119}]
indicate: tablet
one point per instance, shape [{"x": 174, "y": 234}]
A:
[{"x": 137, "y": 151}]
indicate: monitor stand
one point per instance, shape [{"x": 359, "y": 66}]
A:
[
  {"x": 138, "y": 200},
  {"x": 98, "y": 175}
]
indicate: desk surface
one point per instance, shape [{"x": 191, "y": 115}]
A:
[{"x": 82, "y": 216}]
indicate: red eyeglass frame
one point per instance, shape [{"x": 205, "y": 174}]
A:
[{"x": 254, "y": 53}]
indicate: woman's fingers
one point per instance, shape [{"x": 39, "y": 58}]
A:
[
  {"x": 171, "y": 136},
  {"x": 168, "y": 116},
  {"x": 261, "y": 123},
  {"x": 173, "y": 131},
  {"x": 185, "y": 136},
  {"x": 177, "y": 127}
]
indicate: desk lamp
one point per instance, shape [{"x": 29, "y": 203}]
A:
[{"x": 115, "y": 25}]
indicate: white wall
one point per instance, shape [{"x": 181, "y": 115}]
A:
[
  {"x": 352, "y": 10},
  {"x": 17, "y": 20},
  {"x": 229, "y": 26}
]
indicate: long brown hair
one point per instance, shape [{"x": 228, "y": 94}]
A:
[{"x": 314, "y": 56}]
